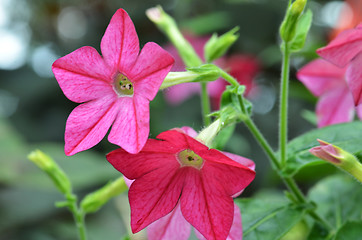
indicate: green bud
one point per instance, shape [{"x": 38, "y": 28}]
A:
[
  {"x": 47, "y": 164},
  {"x": 289, "y": 24},
  {"x": 217, "y": 46},
  {"x": 94, "y": 201},
  {"x": 338, "y": 157}
]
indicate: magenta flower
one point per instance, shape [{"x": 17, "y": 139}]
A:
[
  {"x": 177, "y": 170},
  {"x": 243, "y": 67},
  {"x": 115, "y": 88},
  {"x": 327, "y": 81},
  {"x": 346, "y": 50}
]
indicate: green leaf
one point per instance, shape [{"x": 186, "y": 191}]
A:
[
  {"x": 347, "y": 136},
  {"x": 268, "y": 218},
  {"x": 349, "y": 231},
  {"x": 303, "y": 26},
  {"x": 338, "y": 199}
]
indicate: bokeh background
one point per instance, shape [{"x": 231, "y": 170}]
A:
[{"x": 33, "y": 109}]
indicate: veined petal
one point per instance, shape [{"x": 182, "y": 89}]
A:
[
  {"x": 154, "y": 155},
  {"x": 320, "y": 76},
  {"x": 150, "y": 69},
  {"x": 83, "y": 75},
  {"x": 334, "y": 107},
  {"x": 131, "y": 128},
  {"x": 88, "y": 124},
  {"x": 120, "y": 45},
  {"x": 206, "y": 205},
  {"x": 175, "y": 138},
  {"x": 343, "y": 48},
  {"x": 170, "y": 227},
  {"x": 236, "y": 231},
  {"x": 354, "y": 78},
  {"x": 155, "y": 195},
  {"x": 242, "y": 160},
  {"x": 238, "y": 177}
]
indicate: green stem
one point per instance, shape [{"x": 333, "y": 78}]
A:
[
  {"x": 78, "y": 216},
  {"x": 205, "y": 104},
  {"x": 288, "y": 181},
  {"x": 283, "y": 117}
]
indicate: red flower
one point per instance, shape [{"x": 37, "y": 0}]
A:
[{"x": 178, "y": 169}]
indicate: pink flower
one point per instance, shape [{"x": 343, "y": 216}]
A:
[
  {"x": 326, "y": 151},
  {"x": 177, "y": 171},
  {"x": 243, "y": 67},
  {"x": 346, "y": 50},
  {"x": 115, "y": 88},
  {"x": 327, "y": 81}
]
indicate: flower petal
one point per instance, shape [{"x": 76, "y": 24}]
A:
[
  {"x": 359, "y": 111},
  {"x": 131, "y": 128},
  {"x": 88, "y": 124},
  {"x": 170, "y": 227},
  {"x": 154, "y": 155},
  {"x": 320, "y": 76},
  {"x": 343, "y": 48},
  {"x": 236, "y": 231},
  {"x": 206, "y": 206},
  {"x": 120, "y": 45},
  {"x": 354, "y": 78},
  {"x": 150, "y": 69},
  {"x": 334, "y": 107},
  {"x": 83, "y": 75},
  {"x": 155, "y": 195},
  {"x": 242, "y": 160}
]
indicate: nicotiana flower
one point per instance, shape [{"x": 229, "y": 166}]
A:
[
  {"x": 346, "y": 50},
  {"x": 327, "y": 81},
  {"x": 177, "y": 170},
  {"x": 115, "y": 88},
  {"x": 243, "y": 67},
  {"x": 174, "y": 226}
]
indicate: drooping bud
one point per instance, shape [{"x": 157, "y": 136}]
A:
[
  {"x": 289, "y": 24},
  {"x": 168, "y": 25},
  {"x": 47, "y": 164},
  {"x": 94, "y": 201},
  {"x": 338, "y": 157}
]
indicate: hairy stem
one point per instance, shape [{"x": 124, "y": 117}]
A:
[{"x": 283, "y": 113}]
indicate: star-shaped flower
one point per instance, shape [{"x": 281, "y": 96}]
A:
[
  {"x": 346, "y": 50},
  {"x": 327, "y": 81},
  {"x": 115, "y": 88},
  {"x": 176, "y": 170}
]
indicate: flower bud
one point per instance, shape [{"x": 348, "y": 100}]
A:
[
  {"x": 94, "y": 201},
  {"x": 216, "y": 47},
  {"x": 47, "y": 164},
  {"x": 289, "y": 24},
  {"x": 339, "y": 157}
]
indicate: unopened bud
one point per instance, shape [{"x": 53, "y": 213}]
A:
[
  {"x": 47, "y": 164},
  {"x": 94, "y": 201},
  {"x": 289, "y": 24},
  {"x": 338, "y": 157}
]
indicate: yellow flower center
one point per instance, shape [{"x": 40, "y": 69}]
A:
[
  {"x": 188, "y": 158},
  {"x": 123, "y": 86}
]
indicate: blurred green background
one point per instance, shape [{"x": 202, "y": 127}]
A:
[{"x": 33, "y": 109}]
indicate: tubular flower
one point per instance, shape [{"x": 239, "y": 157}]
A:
[
  {"x": 346, "y": 50},
  {"x": 177, "y": 171},
  {"x": 327, "y": 81},
  {"x": 115, "y": 88}
]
